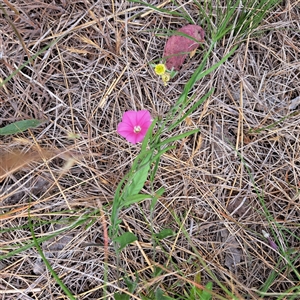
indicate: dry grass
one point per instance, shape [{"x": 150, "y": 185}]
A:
[{"x": 82, "y": 85}]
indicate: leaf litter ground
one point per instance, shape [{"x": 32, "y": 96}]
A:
[{"x": 216, "y": 198}]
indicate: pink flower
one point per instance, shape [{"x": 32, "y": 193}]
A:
[{"x": 134, "y": 125}]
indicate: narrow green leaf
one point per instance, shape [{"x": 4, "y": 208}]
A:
[
  {"x": 164, "y": 233},
  {"x": 178, "y": 137},
  {"x": 157, "y": 271},
  {"x": 131, "y": 285},
  {"x": 215, "y": 66},
  {"x": 116, "y": 207},
  {"x": 125, "y": 239},
  {"x": 134, "y": 199},
  {"x": 206, "y": 294},
  {"x": 20, "y": 248},
  {"x": 159, "y": 295},
  {"x": 121, "y": 296},
  {"x": 174, "y": 13},
  {"x": 20, "y": 126},
  {"x": 138, "y": 180},
  {"x": 193, "y": 108},
  {"x": 147, "y": 136},
  {"x": 31, "y": 59},
  {"x": 142, "y": 159},
  {"x": 154, "y": 169},
  {"x": 46, "y": 262},
  {"x": 158, "y": 194},
  {"x": 160, "y": 153}
]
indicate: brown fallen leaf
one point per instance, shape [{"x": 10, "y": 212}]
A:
[
  {"x": 178, "y": 47},
  {"x": 15, "y": 160}
]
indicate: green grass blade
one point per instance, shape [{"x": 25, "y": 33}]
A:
[
  {"x": 33, "y": 57},
  {"x": 178, "y": 137},
  {"x": 45, "y": 238},
  {"x": 162, "y": 10},
  {"x": 49, "y": 267},
  {"x": 193, "y": 108}
]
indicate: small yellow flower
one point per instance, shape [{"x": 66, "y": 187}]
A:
[
  {"x": 165, "y": 78},
  {"x": 160, "y": 69}
]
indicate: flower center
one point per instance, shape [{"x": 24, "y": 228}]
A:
[
  {"x": 160, "y": 69},
  {"x": 137, "y": 129}
]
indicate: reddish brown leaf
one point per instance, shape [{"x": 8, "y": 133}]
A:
[{"x": 178, "y": 47}]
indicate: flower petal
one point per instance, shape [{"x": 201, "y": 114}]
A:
[
  {"x": 160, "y": 69},
  {"x": 130, "y": 120},
  {"x": 139, "y": 137},
  {"x": 124, "y": 128},
  {"x": 134, "y": 138},
  {"x": 143, "y": 116},
  {"x": 145, "y": 124},
  {"x": 129, "y": 117}
]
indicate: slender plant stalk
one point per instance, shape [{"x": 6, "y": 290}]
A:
[{"x": 49, "y": 267}]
